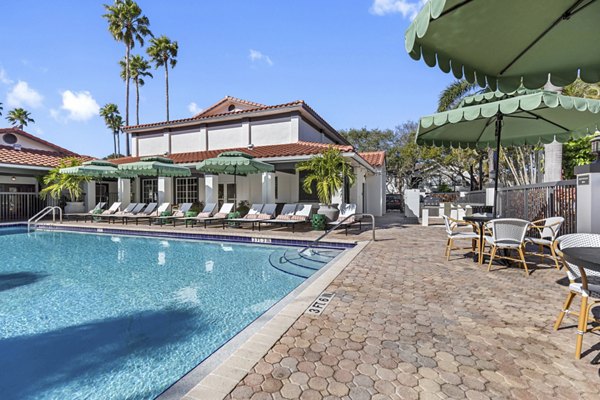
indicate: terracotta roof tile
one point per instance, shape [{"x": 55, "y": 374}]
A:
[
  {"x": 225, "y": 99},
  {"x": 277, "y": 150},
  {"x": 38, "y": 158},
  {"x": 37, "y": 139},
  {"x": 375, "y": 158}
]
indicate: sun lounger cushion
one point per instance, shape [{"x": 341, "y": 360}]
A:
[
  {"x": 262, "y": 216},
  {"x": 298, "y": 218},
  {"x": 220, "y": 215},
  {"x": 203, "y": 215},
  {"x": 282, "y": 217}
]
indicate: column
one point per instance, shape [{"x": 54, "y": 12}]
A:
[
  {"x": 211, "y": 188},
  {"x": 268, "y": 187},
  {"x": 165, "y": 190},
  {"x": 124, "y": 190},
  {"x": 588, "y": 198},
  {"x": 90, "y": 195}
]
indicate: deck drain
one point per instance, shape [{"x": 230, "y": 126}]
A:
[{"x": 319, "y": 305}]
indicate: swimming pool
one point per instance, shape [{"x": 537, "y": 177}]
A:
[{"x": 111, "y": 317}]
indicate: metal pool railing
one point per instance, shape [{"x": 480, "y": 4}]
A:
[{"x": 20, "y": 206}]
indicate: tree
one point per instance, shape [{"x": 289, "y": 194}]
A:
[
  {"x": 56, "y": 183},
  {"x": 138, "y": 69},
  {"x": 327, "y": 171},
  {"x": 114, "y": 122},
  {"x": 1, "y": 109},
  {"x": 576, "y": 152},
  {"x": 19, "y": 117},
  {"x": 163, "y": 52},
  {"x": 455, "y": 92},
  {"x": 127, "y": 25}
]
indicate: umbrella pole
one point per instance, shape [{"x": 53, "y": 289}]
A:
[{"x": 497, "y": 160}]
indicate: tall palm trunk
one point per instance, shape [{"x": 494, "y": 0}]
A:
[
  {"x": 114, "y": 144},
  {"x": 128, "y": 49},
  {"x": 167, "y": 87},
  {"x": 137, "y": 101}
]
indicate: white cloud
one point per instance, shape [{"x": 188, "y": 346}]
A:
[
  {"x": 257, "y": 56},
  {"x": 193, "y": 108},
  {"x": 4, "y": 77},
  {"x": 408, "y": 9},
  {"x": 80, "y": 106},
  {"x": 21, "y": 95}
]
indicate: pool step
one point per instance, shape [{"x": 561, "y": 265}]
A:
[{"x": 301, "y": 264}]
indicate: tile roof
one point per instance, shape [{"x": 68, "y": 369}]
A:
[
  {"x": 38, "y": 158},
  {"x": 225, "y": 99},
  {"x": 375, "y": 158},
  {"x": 276, "y": 150},
  {"x": 200, "y": 117},
  {"x": 17, "y": 131}
]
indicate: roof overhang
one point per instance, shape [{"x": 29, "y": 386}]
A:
[{"x": 23, "y": 166}]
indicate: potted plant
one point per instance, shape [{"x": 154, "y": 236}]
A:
[
  {"x": 326, "y": 172},
  {"x": 57, "y": 183}
]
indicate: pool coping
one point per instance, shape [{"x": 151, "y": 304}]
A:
[
  {"x": 245, "y": 237},
  {"x": 222, "y": 379}
]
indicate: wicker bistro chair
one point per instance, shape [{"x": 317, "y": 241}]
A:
[
  {"x": 547, "y": 230},
  {"x": 453, "y": 232},
  {"x": 507, "y": 234},
  {"x": 589, "y": 299}
]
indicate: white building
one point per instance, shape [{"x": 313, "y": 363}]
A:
[{"x": 281, "y": 135}]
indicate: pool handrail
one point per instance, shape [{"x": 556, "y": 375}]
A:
[{"x": 45, "y": 211}]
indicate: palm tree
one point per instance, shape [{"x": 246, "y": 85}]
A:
[
  {"x": 56, "y": 182},
  {"x": 455, "y": 92},
  {"x": 163, "y": 52},
  {"x": 19, "y": 117},
  {"x": 327, "y": 172},
  {"x": 138, "y": 69},
  {"x": 127, "y": 25},
  {"x": 1, "y": 108},
  {"x": 114, "y": 122}
]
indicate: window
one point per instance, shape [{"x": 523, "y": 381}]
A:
[
  {"x": 276, "y": 187},
  {"x": 186, "y": 190},
  {"x": 231, "y": 108},
  {"x": 149, "y": 190},
  {"x": 346, "y": 190},
  {"x": 302, "y": 195},
  {"x": 9, "y": 138}
]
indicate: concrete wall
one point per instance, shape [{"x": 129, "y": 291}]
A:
[
  {"x": 186, "y": 141},
  {"x": 226, "y": 136},
  {"x": 274, "y": 131},
  {"x": 152, "y": 144}
]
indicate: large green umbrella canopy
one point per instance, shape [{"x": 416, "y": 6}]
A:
[
  {"x": 234, "y": 163},
  {"x": 95, "y": 169},
  {"x": 155, "y": 166},
  {"x": 524, "y": 117},
  {"x": 501, "y": 42}
]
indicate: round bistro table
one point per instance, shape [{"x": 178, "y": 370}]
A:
[
  {"x": 584, "y": 258},
  {"x": 480, "y": 220}
]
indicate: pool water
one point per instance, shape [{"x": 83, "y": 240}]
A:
[{"x": 114, "y": 317}]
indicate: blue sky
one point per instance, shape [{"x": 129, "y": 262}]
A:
[{"x": 345, "y": 58}]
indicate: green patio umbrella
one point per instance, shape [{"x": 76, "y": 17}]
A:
[
  {"x": 95, "y": 169},
  {"x": 155, "y": 166},
  {"x": 502, "y": 43},
  {"x": 523, "y": 117},
  {"x": 234, "y": 163}
]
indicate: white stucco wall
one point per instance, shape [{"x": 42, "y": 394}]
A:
[
  {"x": 182, "y": 142},
  {"x": 375, "y": 193},
  {"x": 152, "y": 144},
  {"x": 274, "y": 131},
  {"x": 308, "y": 133},
  {"x": 226, "y": 136}
]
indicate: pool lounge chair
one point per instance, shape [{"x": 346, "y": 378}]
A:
[
  {"x": 267, "y": 213},
  {"x": 207, "y": 212},
  {"x": 99, "y": 206},
  {"x": 218, "y": 217},
  {"x": 300, "y": 215},
  {"x": 346, "y": 210},
  {"x": 146, "y": 212},
  {"x": 149, "y": 214},
  {"x": 121, "y": 214},
  {"x": 180, "y": 212},
  {"x": 98, "y": 217}
]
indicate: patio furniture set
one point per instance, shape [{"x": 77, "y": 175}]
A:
[{"x": 579, "y": 253}]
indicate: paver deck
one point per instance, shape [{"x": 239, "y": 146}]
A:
[{"x": 406, "y": 324}]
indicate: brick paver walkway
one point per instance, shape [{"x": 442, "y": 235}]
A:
[{"x": 407, "y": 324}]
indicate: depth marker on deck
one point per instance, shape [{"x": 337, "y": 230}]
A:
[{"x": 319, "y": 305}]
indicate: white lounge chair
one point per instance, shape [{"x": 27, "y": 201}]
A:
[
  {"x": 300, "y": 215},
  {"x": 207, "y": 212},
  {"x": 91, "y": 212},
  {"x": 146, "y": 212},
  {"x": 114, "y": 211},
  {"x": 157, "y": 212},
  {"x": 183, "y": 208},
  {"x": 266, "y": 213},
  {"x": 220, "y": 216},
  {"x": 134, "y": 211},
  {"x": 345, "y": 218}
]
